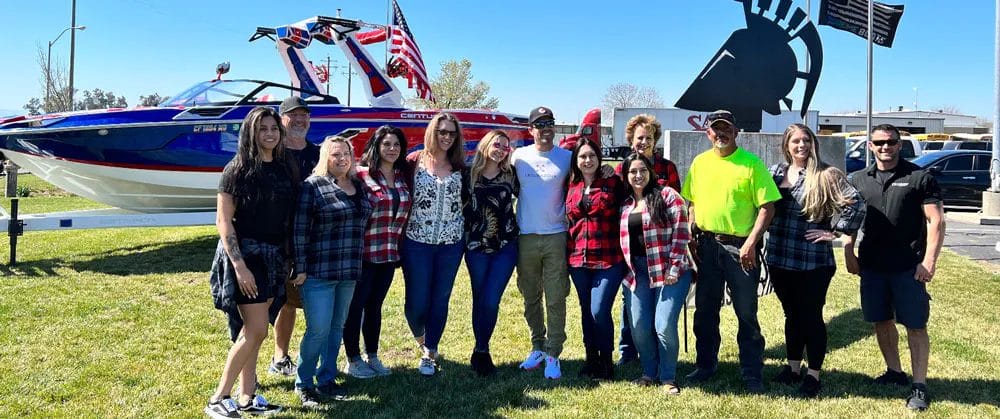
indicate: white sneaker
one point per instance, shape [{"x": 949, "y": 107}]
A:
[
  {"x": 358, "y": 368},
  {"x": 427, "y": 366},
  {"x": 376, "y": 365},
  {"x": 534, "y": 360},
  {"x": 552, "y": 370}
]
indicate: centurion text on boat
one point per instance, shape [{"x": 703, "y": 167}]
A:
[{"x": 169, "y": 158}]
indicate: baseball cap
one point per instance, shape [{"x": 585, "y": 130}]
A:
[
  {"x": 721, "y": 115},
  {"x": 292, "y": 103},
  {"x": 540, "y": 112}
]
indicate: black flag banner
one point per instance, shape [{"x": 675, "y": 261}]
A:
[{"x": 852, "y": 16}]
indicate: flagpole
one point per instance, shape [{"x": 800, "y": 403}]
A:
[
  {"x": 805, "y": 118},
  {"x": 388, "y": 32},
  {"x": 995, "y": 165},
  {"x": 871, "y": 12}
]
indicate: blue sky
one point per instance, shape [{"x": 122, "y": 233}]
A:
[{"x": 558, "y": 53}]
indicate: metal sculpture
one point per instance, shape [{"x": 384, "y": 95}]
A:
[{"x": 756, "y": 68}]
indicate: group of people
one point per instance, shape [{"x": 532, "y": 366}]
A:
[{"x": 310, "y": 227}]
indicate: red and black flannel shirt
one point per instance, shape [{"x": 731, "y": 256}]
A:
[
  {"x": 384, "y": 231},
  {"x": 664, "y": 170},
  {"x": 593, "y": 226},
  {"x": 666, "y": 245}
]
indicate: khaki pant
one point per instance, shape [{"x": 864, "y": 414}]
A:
[{"x": 542, "y": 271}]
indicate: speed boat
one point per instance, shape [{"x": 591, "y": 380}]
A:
[{"x": 169, "y": 158}]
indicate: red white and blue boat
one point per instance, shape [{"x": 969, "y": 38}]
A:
[{"x": 169, "y": 158}]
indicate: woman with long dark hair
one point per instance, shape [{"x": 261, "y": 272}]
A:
[
  {"x": 595, "y": 256},
  {"x": 491, "y": 252},
  {"x": 256, "y": 200},
  {"x": 654, "y": 235},
  {"x": 383, "y": 173},
  {"x": 434, "y": 243},
  {"x": 817, "y": 205}
]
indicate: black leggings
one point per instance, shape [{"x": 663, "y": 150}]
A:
[{"x": 802, "y": 295}]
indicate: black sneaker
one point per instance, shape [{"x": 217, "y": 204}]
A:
[
  {"x": 810, "y": 386},
  {"x": 258, "y": 405},
  {"x": 332, "y": 391},
  {"x": 919, "y": 399},
  {"x": 284, "y": 367},
  {"x": 223, "y": 408},
  {"x": 308, "y": 397},
  {"x": 699, "y": 375},
  {"x": 787, "y": 376},
  {"x": 892, "y": 377},
  {"x": 489, "y": 368},
  {"x": 482, "y": 364},
  {"x": 753, "y": 385}
]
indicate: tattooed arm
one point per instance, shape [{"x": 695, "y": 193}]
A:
[{"x": 225, "y": 209}]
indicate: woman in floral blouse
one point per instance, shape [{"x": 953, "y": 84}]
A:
[
  {"x": 491, "y": 252},
  {"x": 434, "y": 243}
]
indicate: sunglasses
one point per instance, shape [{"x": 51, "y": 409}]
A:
[
  {"x": 501, "y": 146},
  {"x": 892, "y": 143},
  {"x": 446, "y": 133},
  {"x": 544, "y": 124}
]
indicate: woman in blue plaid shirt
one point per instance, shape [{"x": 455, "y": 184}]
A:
[
  {"x": 330, "y": 221},
  {"x": 817, "y": 205}
]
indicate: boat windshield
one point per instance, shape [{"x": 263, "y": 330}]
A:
[{"x": 216, "y": 92}]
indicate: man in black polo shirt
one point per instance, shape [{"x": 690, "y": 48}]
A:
[{"x": 900, "y": 244}]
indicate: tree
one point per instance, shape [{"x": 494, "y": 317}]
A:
[
  {"x": 628, "y": 95},
  {"x": 55, "y": 91},
  {"x": 99, "y": 99},
  {"x": 150, "y": 100},
  {"x": 455, "y": 89}
]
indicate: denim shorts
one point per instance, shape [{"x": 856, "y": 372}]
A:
[{"x": 895, "y": 295}]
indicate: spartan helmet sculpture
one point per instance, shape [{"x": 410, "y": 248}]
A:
[{"x": 756, "y": 67}]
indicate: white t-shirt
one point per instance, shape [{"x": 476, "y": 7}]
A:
[{"x": 541, "y": 207}]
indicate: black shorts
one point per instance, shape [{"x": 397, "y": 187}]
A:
[
  {"x": 895, "y": 295},
  {"x": 265, "y": 289}
]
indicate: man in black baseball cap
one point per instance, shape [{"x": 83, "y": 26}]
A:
[{"x": 292, "y": 103}]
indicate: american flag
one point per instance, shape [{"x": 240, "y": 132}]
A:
[{"x": 405, "y": 49}]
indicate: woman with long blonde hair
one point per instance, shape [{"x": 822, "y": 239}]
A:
[
  {"x": 434, "y": 244},
  {"x": 491, "y": 251},
  {"x": 817, "y": 205},
  {"x": 330, "y": 221}
]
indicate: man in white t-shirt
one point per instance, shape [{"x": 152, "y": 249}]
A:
[{"x": 541, "y": 264}]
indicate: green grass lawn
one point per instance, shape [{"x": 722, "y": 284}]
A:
[{"x": 119, "y": 322}]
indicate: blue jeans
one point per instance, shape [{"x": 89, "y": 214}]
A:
[
  {"x": 720, "y": 267},
  {"x": 489, "y": 274},
  {"x": 325, "y": 305},
  {"x": 365, "y": 314},
  {"x": 626, "y": 345},
  {"x": 596, "y": 289},
  {"x": 653, "y": 313},
  {"x": 429, "y": 273}
]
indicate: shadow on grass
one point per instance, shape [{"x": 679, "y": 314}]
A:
[
  {"x": 842, "y": 331},
  {"x": 837, "y": 384},
  {"x": 153, "y": 258},
  {"x": 455, "y": 391}
]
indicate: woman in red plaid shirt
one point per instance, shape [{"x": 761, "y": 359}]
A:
[
  {"x": 595, "y": 257},
  {"x": 383, "y": 172},
  {"x": 654, "y": 236},
  {"x": 642, "y": 133}
]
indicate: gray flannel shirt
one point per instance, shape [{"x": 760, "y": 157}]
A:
[{"x": 787, "y": 247}]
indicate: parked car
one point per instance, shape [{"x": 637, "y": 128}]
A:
[
  {"x": 962, "y": 174},
  {"x": 967, "y": 145},
  {"x": 855, "y": 156}
]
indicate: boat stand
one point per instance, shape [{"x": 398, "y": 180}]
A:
[{"x": 15, "y": 225}]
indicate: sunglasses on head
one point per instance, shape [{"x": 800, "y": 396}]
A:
[
  {"x": 879, "y": 143},
  {"x": 544, "y": 124}
]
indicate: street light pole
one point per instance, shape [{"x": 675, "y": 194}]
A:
[
  {"x": 72, "y": 55},
  {"x": 48, "y": 62}
]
